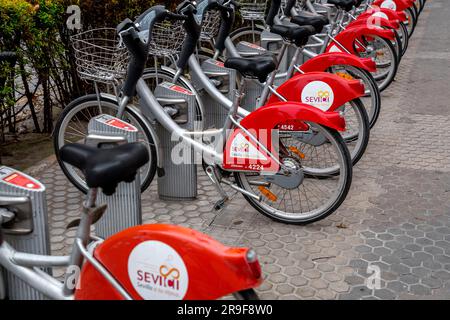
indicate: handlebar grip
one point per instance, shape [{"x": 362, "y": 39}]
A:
[
  {"x": 225, "y": 29},
  {"x": 273, "y": 11},
  {"x": 139, "y": 53},
  {"x": 193, "y": 31},
  {"x": 225, "y": 8}
]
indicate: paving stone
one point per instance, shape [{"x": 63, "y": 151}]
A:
[
  {"x": 305, "y": 292},
  {"x": 397, "y": 286},
  {"x": 298, "y": 281},
  {"x": 420, "y": 290},
  {"x": 381, "y": 251},
  {"x": 409, "y": 279},
  {"x": 312, "y": 274},
  {"x": 431, "y": 282},
  {"x": 339, "y": 287},
  {"x": 285, "y": 289},
  {"x": 385, "y": 294},
  {"x": 354, "y": 280}
]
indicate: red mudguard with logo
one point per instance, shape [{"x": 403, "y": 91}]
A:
[
  {"x": 243, "y": 154},
  {"x": 322, "y": 90},
  {"x": 347, "y": 38},
  {"x": 164, "y": 262},
  {"x": 398, "y": 5},
  {"x": 375, "y": 21},
  {"x": 324, "y": 61},
  {"x": 392, "y": 15}
]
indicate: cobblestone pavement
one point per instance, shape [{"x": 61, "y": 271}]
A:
[{"x": 397, "y": 215}]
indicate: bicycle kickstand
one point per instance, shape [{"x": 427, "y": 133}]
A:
[{"x": 214, "y": 177}]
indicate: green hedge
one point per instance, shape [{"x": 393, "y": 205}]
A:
[{"x": 37, "y": 31}]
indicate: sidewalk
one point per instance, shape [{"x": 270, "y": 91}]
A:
[{"x": 397, "y": 215}]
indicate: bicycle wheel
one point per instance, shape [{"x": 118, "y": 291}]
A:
[
  {"x": 372, "y": 98},
  {"x": 416, "y": 13},
  {"x": 72, "y": 127},
  {"x": 357, "y": 132},
  {"x": 248, "y": 34},
  {"x": 421, "y": 5},
  {"x": 385, "y": 56},
  {"x": 249, "y": 294},
  {"x": 397, "y": 43},
  {"x": 403, "y": 33},
  {"x": 315, "y": 198},
  {"x": 411, "y": 23}
]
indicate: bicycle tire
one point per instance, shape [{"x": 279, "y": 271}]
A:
[
  {"x": 336, "y": 203},
  {"x": 91, "y": 101},
  {"x": 249, "y": 294}
]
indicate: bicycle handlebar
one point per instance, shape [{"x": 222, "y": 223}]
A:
[
  {"x": 289, "y": 5},
  {"x": 193, "y": 30},
  {"x": 228, "y": 15},
  {"x": 139, "y": 50},
  {"x": 273, "y": 12}
]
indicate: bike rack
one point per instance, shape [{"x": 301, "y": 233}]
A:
[
  {"x": 224, "y": 79},
  {"x": 269, "y": 42},
  {"x": 180, "y": 179},
  {"x": 124, "y": 207},
  {"x": 25, "y": 197}
]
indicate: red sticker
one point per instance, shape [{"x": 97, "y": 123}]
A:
[
  {"x": 121, "y": 125},
  {"x": 19, "y": 180},
  {"x": 180, "y": 89},
  {"x": 253, "y": 46},
  {"x": 219, "y": 64}
]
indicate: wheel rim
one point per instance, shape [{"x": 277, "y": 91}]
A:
[
  {"x": 410, "y": 22},
  {"x": 369, "y": 100},
  {"x": 385, "y": 61},
  {"x": 307, "y": 195},
  {"x": 252, "y": 36},
  {"x": 75, "y": 124},
  {"x": 355, "y": 129}
]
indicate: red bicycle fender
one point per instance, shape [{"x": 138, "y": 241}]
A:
[
  {"x": 325, "y": 91},
  {"x": 326, "y": 60},
  {"x": 391, "y": 14},
  {"x": 400, "y": 5},
  {"x": 274, "y": 115},
  {"x": 348, "y": 37},
  {"x": 375, "y": 21},
  {"x": 168, "y": 262}
]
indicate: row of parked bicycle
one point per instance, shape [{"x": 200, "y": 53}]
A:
[
  {"x": 289, "y": 107},
  {"x": 322, "y": 108}
]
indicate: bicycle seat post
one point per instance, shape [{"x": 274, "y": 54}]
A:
[
  {"x": 83, "y": 233},
  {"x": 238, "y": 95}
]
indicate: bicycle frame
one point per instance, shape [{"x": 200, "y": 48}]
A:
[
  {"x": 339, "y": 24},
  {"x": 26, "y": 266},
  {"x": 151, "y": 109},
  {"x": 108, "y": 262}
]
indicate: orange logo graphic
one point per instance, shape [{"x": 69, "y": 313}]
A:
[{"x": 166, "y": 272}]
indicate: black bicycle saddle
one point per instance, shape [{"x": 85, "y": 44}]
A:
[{"x": 106, "y": 168}]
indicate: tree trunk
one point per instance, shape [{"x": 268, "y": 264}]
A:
[
  {"x": 29, "y": 96},
  {"x": 48, "y": 119}
]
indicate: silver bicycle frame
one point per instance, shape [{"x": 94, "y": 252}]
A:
[
  {"x": 151, "y": 108},
  {"x": 27, "y": 266},
  {"x": 222, "y": 99}
]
